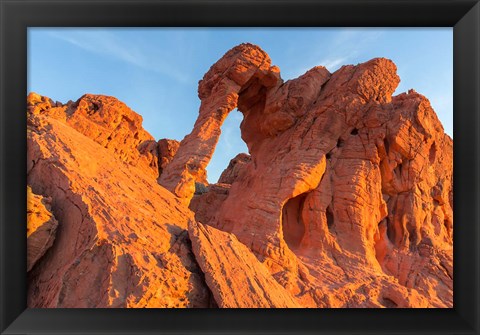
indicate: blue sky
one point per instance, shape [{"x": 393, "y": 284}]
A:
[{"x": 155, "y": 71}]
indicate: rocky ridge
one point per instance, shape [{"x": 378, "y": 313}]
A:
[{"x": 345, "y": 198}]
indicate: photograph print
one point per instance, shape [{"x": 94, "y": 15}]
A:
[{"x": 240, "y": 168}]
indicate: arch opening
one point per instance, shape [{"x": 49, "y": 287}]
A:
[{"x": 229, "y": 145}]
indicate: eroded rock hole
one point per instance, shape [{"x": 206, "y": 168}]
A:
[
  {"x": 414, "y": 236},
  {"x": 340, "y": 143},
  {"x": 432, "y": 153},
  {"x": 399, "y": 168},
  {"x": 93, "y": 108},
  {"x": 389, "y": 303},
  {"x": 354, "y": 132},
  {"x": 329, "y": 216},
  {"x": 386, "y": 144},
  {"x": 449, "y": 226},
  {"x": 230, "y": 143},
  {"x": 390, "y": 230},
  {"x": 292, "y": 222}
]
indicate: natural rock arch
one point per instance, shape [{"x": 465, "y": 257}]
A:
[
  {"x": 346, "y": 198},
  {"x": 245, "y": 68},
  {"x": 359, "y": 160}
]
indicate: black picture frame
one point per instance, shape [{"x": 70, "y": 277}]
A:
[{"x": 17, "y": 15}]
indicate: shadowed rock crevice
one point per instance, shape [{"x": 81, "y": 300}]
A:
[
  {"x": 41, "y": 227},
  {"x": 330, "y": 218},
  {"x": 293, "y": 226}
]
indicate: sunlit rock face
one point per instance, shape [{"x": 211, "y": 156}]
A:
[
  {"x": 344, "y": 200},
  {"x": 347, "y": 196},
  {"x": 121, "y": 239},
  {"x": 229, "y": 265}
]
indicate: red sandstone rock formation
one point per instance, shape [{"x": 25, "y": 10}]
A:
[
  {"x": 233, "y": 273},
  {"x": 347, "y": 187},
  {"x": 218, "y": 92},
  {"x": 41, "y": 227},
  {"x": 205, "y": 204},
  {"x": 234, "y": 169},
  {"x": 121, "y": 239},
  {"x": 346, "y": 199},
  {"x": 108, "y": 122},
  {"x": 166, "y": 150}
]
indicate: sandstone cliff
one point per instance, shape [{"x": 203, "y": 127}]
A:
[
  {"x": 121, "y": 239},
  {"x": 345, "y": 198}
]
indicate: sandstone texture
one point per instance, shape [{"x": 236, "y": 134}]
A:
[
  {"x": 233, "y": 273},
  {"x": 166, "y": 151},
  {"x": 234, "y": 169},
  {"x": 344, "y": 200},
  {"x": 347, "y": 188},
  {"x": 122, "y": 239},
  {"x": 219, "y": 92},
  {"x": 108, "y": 122},
  {"x": 41, "y": 227}
]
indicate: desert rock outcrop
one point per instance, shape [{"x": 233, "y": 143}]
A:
[
  {"x": 233, "y": 273},
  {"x": 344, "y": 200},
  {"x": 41, "y": 227},
  {"x": 122, "y": 239},
  {"x": 166, "y": 150},
  {"x": 107, "y": 121},
  {"x": 234, "y": 169},
  {"x": 344, "y": 180},
  {"x": 218, "y": 90}
]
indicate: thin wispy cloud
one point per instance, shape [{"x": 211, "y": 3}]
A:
[
  {"x": 342, "y": 49},
  {"x": 108, "y": 45},
  {"x": 333, "y": 63}
]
